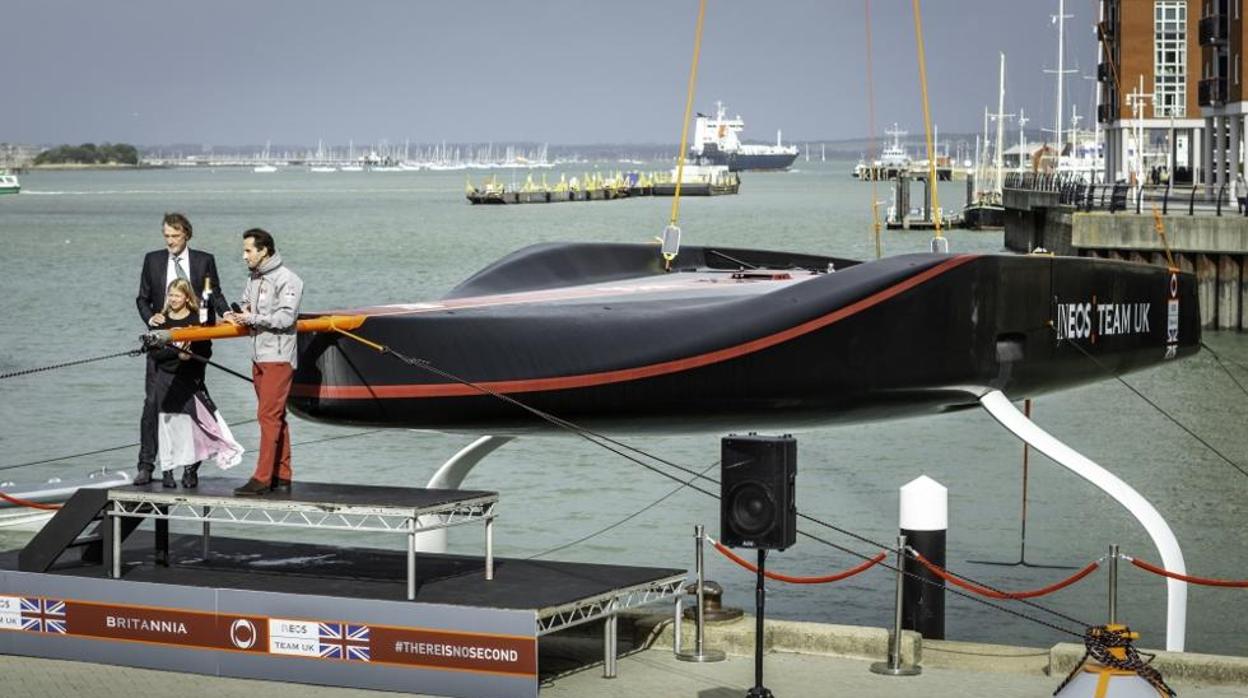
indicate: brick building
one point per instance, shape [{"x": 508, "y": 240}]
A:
[{"x": 1150, "y": 73}]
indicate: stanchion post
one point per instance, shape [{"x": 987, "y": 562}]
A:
[
  {"x": 894, "y": 667},
  {"x": 699, "y": 653},
  {"x": 1113, "y": 583}
]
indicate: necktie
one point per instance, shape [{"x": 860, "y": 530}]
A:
[{"x": 177, "y": 267}]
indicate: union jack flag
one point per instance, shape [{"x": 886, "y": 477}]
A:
[
  {"x": 43, "y": 615},
  {"x": 344, "y": 641}
]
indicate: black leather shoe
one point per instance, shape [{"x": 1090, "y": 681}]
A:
[
  {"x": 253, "y": 488},
  {"x": 190, "y": 476},
  {"x": 144, "y": 477},
  {"x": 281, "y": 486},
  {"x": 167, "y": 481}
]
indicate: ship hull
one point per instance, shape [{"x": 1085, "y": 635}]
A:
[
  {"x": 624, "y": 347},
  {"x": 740, "y": 162},
  {"x": 983, "y": 217}
]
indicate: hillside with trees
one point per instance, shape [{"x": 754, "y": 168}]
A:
[{"x": 90, "y": 154}]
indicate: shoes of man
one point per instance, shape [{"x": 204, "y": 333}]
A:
[
  {"x": 167, "y": 481},
  {"x": 190, "y": 476},
  {"x": 253, "y": 488},
  {"x": 281, "y": 486},
  {"x": 144, "y": 477}
]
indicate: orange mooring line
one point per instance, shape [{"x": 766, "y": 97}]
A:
[{"x": 325, "y": 323}]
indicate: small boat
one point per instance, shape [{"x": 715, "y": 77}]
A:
[
  {"x": 15, "y": 515},
  {"x": 264, "y": 169},
  {"x": 322, "y": 168},
  {"x": 9, "y": 183},
  {"x": 351, "y": 168}
]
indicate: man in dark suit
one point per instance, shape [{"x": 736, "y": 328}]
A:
[{"x": 161, "y": 268}]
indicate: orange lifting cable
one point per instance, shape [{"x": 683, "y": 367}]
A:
[
  {"x": 800, "y": 580},
  {"x": 684, "y": 125},
  {"x": 927, "y": 115},
  {"x": 875, "y": 196},
  {"x": 1205, "y": 581},
  {"x": 225, "y": 330},
  {"x": 18, "y": 501},
  {"x": 1005, "y": 595}
]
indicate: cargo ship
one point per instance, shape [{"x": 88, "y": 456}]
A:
[{"x": 716, "y": 142}]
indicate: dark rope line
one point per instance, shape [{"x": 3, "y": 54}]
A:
[
  {"x": 67, "y": 364},
  {"x": 621, "y": 522},
  {"x": 1224, "y": 368},
  {"x": 1165, "y": 414},
  {"x": 589, "y": 435},
  {"x": 96, "y": 452}
]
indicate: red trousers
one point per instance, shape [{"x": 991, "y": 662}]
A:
[{"x": 272, "y": 381}]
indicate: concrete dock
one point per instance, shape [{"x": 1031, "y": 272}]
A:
[
  {"x": 800, "y": 656},
  {"x": 1214, "y": 247}
]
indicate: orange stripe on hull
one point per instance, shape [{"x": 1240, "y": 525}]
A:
[{"x": 430, "y": 390}]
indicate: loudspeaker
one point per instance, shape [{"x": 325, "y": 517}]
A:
[{"x": 757, "y": 508}]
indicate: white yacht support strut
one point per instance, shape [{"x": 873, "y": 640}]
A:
[
  {"x": 1000, "y": 407},
  {"x": 449, "y": 477}
]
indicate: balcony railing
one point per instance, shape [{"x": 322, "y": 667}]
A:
[
  {"x": 1214, "y": 30},
  {"x": 1212, "y": 92}
]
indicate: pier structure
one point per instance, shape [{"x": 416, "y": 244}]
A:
[
  {"x": 901, "y": 216},
  {"x": 1205, "y": 232}
]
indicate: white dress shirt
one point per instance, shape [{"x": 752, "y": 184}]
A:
[{"x": 183, "y": 261}]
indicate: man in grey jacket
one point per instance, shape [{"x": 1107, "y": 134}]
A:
[{"x": 270, "y": 309}]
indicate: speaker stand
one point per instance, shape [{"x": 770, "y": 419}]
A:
[{"x": 760, "y": 597}]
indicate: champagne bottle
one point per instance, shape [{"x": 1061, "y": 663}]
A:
[{"x": 205, "y": 304}]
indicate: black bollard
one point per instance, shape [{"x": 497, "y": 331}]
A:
[{"x": 924, "y": 522}]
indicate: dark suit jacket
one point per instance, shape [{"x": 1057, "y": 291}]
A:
[{"x": 151, "y": 298}]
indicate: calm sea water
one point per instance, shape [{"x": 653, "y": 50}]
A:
[{"x": 72, "y": 245}]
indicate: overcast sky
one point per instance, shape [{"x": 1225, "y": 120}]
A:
[{"x": 559, "y": 71}]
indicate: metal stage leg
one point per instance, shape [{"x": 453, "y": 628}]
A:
[
  {"x": 489, "y": 549},
  {"x": 411, "y": 562},
  {"x": 610, "y": 637},
  {"x": 116, "y": 523},
  {"x": 207, "y": 533},
  {"x": 449, "y": 477},
  {"x": 162, "y": 538},
  {"x": 999, "y": 406}
]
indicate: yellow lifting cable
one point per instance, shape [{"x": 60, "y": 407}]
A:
[
  {"x": 875, "y": 196},
  {"x": 927, "y": 120},
  {"x": 671, "y": 235},
  {"x": 1160, "y": 227}
]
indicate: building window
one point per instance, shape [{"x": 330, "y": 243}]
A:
[{"x": 1169, "y": 58}]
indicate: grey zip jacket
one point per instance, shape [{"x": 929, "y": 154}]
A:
[{"x": 272, "y": 295}]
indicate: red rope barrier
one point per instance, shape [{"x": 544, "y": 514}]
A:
[
  {"x": 800, "y": 580},
  {"x": 27, "y": 503},
  {"x": 1206, "y": 581},
  {"x": 1006, "y": 595}
]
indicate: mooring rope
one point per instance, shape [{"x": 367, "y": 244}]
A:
[
  {"x": 1157, "y": 407},
  {"x": 67, "y": 364},
  {"x": 1100, "y": 643}
]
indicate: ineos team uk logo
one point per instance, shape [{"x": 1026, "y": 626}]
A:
[{"x": 243, "y": 634}]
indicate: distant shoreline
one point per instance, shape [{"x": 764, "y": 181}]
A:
[{"x": 76, "y": 166}]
